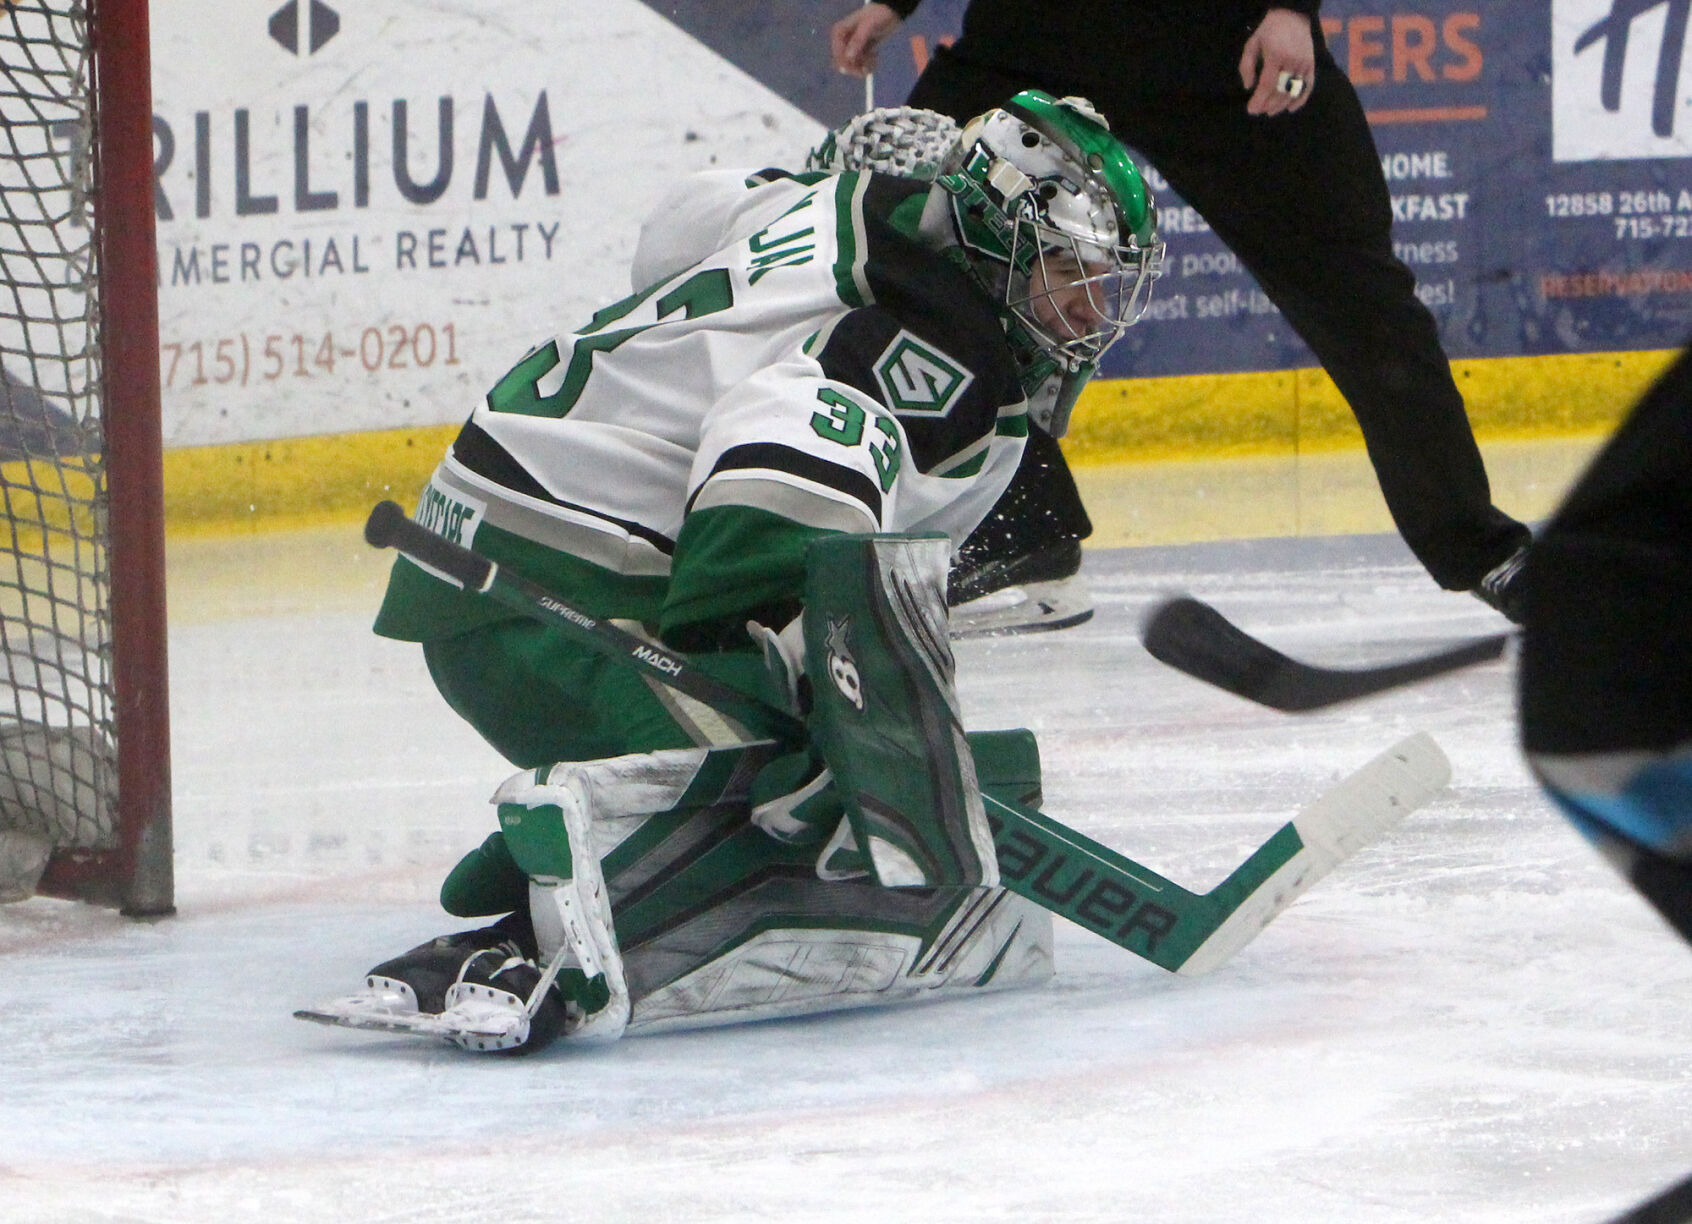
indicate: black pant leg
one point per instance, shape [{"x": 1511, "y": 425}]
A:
[
  {"x": 1301, "y": 200},
  {"x": 962, "y": 86}
]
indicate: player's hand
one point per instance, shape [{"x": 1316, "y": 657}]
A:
[
  {"x": 855, "y": 39},
  {"x": 1279, "y": 63}
]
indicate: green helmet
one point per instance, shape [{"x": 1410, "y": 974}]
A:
[{"x": 1054, "y": 219}]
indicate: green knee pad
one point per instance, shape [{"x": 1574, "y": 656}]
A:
[
  {"x": 494, "y": 877},
  {"x": 486, "y": 881},
  {"x": 537, "y": 840}
]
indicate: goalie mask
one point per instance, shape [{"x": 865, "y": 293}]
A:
[{"x": 1055, "y": 221}]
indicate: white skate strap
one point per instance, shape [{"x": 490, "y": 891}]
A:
[{"x": 487, "y": 1018}]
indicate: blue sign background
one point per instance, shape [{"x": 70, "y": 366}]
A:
[{"x": 1515, "y": 254}]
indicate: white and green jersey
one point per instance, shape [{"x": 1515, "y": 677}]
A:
[{"x": 800, "y": 363}]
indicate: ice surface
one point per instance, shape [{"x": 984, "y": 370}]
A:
[{"x": 1473, "y": 1021}]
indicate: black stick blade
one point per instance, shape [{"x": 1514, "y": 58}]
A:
[{"x": 1193, "y": 637}]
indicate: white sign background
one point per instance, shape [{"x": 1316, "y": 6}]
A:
[
  {"x": 406, "y": 312},
  {"x": 1582, "y": 129}
]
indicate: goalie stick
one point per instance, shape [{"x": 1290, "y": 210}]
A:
[
  {"x": 1193, "y": 637},
  {"x": 1039, "y": 858},
  {"x": 389, "y": 527}
]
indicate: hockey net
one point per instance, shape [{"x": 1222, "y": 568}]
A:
[{"x": 84, "y": 777}]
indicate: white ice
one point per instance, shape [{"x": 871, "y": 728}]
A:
[{"x": 1472, "y": 1021}]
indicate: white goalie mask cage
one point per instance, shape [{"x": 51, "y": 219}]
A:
[{"x": 1045, "y": 201}]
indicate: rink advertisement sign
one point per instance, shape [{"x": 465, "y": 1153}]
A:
[
  {"x": 1537, "y": 158},
  {"x": 366, "y": 212}
]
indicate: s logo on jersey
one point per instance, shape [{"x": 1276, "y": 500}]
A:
[
  {"x": 842, "y": 668},
  {"x": 917, "y": 378}
]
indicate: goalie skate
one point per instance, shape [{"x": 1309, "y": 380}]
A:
[
  {"x": 1024, "y": 593},
  {"x": 478, "y": 1024},
  {"x": 497, "y": 1002},
  {"x": 1030, "y": 607}
]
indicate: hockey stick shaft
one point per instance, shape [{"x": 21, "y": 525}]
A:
[
  {"x": 1039, "y": 858},
  {"x": 389, "y": 527},
  {"x": 1193, "y": 637}
]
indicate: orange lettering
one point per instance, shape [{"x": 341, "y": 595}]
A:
[
  {"x": 1363, "y": 48},
  {"x": 919, "y": 52},
  {"x": 1470, "y": 67},
  {"x": 1412, "y": 52}
]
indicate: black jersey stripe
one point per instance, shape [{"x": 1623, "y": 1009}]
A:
[
  {"x": 774, "y": 457},
  {"x": 478, "y": 451}
]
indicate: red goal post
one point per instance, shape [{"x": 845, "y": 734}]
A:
[{"x": 84, "y": 696}]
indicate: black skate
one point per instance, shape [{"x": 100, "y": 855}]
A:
[
  {"x": 1502, "y": 588},
  {"x": 1037, "y": 591},
  {"x": 478, "y": 989}
]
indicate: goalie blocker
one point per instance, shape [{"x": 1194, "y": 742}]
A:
[{"x": 885, "y": 713}]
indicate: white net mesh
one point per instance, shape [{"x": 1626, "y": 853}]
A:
[{"x": 57, "y": 751}]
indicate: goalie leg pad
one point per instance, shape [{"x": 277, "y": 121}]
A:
[
  {"x": 863, "y": 945},
  {"x": 885, "y": 715}
]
